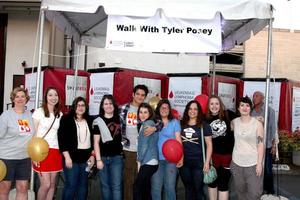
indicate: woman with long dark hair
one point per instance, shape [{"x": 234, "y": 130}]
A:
[
  {"x": 191, "y": 172},
  {"x": 75, "y": 140},
  {"x": 46, "y": 121},
  {"x": 147, "y": 154},
  {"x": 108, "y": 149},
  {"x": 165, "y": 176}
]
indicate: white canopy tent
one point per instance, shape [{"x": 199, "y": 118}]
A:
[{"x": 86, "y": 21}]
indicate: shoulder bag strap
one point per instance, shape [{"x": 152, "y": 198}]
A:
[
  {"x": 49, "y": 128},
  {"x": 203, "y": 148}
]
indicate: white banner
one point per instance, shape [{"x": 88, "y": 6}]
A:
[
  {"x": 154, "y": 86},
  {"x": 81, "y": 88},
  {"x": 162, "y": 34},
  {"x": 296, "y": 109},
  {"x": 100, "y": 84},
  {"x": 182, "y": 90},
  {"x": 227, "y": 92},
  {"x": 252, "y": 86},
  {"x": 30, "y": 85}
]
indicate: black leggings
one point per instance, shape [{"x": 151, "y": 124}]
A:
[
  {"x": 222, "y": 182},
  {"x": 142, "y": 184}
]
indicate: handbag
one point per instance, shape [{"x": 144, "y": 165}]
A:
[
  {"x": 92, "y": 172},
  {"x": 211, "y": 175}
]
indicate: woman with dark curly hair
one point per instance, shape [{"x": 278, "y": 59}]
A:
[
  {"x": 165, "y": 176},
  {"x": 191, "y": 172},
  {"x": 75, "y": 140}
]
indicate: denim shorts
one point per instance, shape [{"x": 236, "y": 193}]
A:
[{"x": 17, "y": 169}]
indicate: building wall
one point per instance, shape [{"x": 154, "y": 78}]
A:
[
  {"x": 161, "y": 63},
  {"x": 20, "y": 45},
  {"x": 285, "y": 56}
]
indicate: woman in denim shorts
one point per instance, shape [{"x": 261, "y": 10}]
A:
[{"x": 16, "y": 129}]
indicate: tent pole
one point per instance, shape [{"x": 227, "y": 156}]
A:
[
  {"x": 268, "y": 72},
  {"x": 38, "y": 79},
  {"x": 267, "y": 87},
  {"x": 214, "y": 75},
  {"x": 76, "y": 72}
]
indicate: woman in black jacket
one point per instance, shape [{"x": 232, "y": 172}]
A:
[{"x": 75, "y": 140}]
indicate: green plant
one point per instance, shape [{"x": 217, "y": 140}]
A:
[{"x": 289, "y": 141}]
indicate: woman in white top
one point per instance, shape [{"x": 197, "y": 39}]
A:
[
  {"x": 46, "y": 121},
  {"x": 246, "y": 166}
]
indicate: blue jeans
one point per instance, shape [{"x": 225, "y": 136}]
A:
[
  {"x": 191, "y": 174},
  {"x": 111, "y": 177},
  {"x": 165, "y": 177},
  {"x": 268, "y": 173},
  {"x": 76, "y": 182}
]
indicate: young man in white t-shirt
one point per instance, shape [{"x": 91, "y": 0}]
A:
[{"x": 130, "y": 132}]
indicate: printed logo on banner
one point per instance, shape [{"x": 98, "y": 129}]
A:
[
  {"x": 182, "y": 90},
  {"x": 252, "y": 86},
  {"x": 30, "y": 85},
  {"x": 100, "y": 84},
  {"x": 162, "y": 34},
  {"x": 154, "y": 86},
  {"x": 296, "y": 109},
  {"x": 81, "y": 88},
  {"x": 227, "y": 92}
]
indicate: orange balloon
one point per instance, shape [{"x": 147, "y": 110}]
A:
[
  {"x": 153, "y": 101},
  {"x": 38, "y": 149},
  {"x": 3, "y": 170}
]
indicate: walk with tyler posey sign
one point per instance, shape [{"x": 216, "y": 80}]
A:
[{"x": 162, "y": 34}]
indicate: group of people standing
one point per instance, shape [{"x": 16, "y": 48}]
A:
[{"x": 126, "y": 146}]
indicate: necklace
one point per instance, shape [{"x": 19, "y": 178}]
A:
[{"x": 79, "y": 132}]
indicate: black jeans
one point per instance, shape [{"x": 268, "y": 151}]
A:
[
  {"x": 142, "y": 184},
  {"x": 268, "y": 173},
  {"x": 191, "y": 174}
]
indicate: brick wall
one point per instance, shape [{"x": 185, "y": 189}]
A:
[{"x": 285, "y": 56}]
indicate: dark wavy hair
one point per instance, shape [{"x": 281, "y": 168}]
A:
[
  {"x": 141, "y": 87},
  {"x": 160, "y": 103},
  {"x": 74, "y": 107},
  {"x": 222, "y": 113},
  {"x": 150, "y": 110},
  {"x": 185, "y": 118},
  {"x": 109, "y": 97},
  {"x": 246, "y": 100},
  {"x": 57, "y": 106}
]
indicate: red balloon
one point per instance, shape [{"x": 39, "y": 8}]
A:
[
  {"x": 202, "y": 100},
  {"x": 172, "y": 150},
  {"x": 175, "y": 113}
]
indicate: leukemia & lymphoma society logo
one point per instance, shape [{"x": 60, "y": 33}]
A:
[{"x": 181, "y": 97}]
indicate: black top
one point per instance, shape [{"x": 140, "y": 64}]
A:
[
  {"x": 67, "y": 139},
  {"x": 191, "y": 140},
  {"x": 114, "y": 147},
  {"x": 222, "y": 136}
]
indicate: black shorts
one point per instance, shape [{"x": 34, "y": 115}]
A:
[{"x": 17, "y": 169}]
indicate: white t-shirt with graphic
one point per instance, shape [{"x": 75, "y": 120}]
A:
[
  {"x": 44, "y": 125},
  {"x": 131, "y": 128}
]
